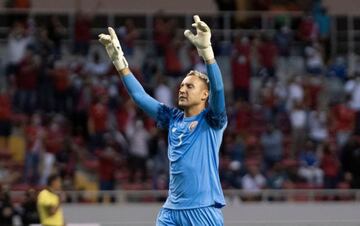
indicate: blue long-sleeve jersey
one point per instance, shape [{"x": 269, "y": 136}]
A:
[{"x": 193, "y": 144}]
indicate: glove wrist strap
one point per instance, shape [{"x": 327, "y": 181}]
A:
[
  {"x": 207, "y": 53},
  {"x": 120, "y": 63}
]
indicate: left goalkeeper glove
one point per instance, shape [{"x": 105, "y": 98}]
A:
[{"x": 202, "y": 38}]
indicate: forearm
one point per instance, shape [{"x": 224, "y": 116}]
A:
[
  {"x": 53, "y": 209},
  {"x": 138, "y": 94},
  {"x": 210, "y": 61},
  {"x": 217, "y": 97},
  {"x": 124, "y": 72}
]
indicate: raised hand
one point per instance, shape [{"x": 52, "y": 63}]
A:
[
  {"x": 202, "y": 38},
  {"x": 113, "y": 49}
]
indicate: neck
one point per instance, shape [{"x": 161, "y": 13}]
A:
[
  {"x": 50, "y": 189},
  {"x": 194, "y": 110}
]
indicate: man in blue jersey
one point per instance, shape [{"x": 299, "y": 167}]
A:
[{"x": 195, "y": 133}]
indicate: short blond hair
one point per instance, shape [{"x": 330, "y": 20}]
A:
[{"x": 200, "y": 75}]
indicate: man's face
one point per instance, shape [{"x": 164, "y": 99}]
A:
[
  {"x": 56, "y": 184},
  {"x": 193, "y": 91}
]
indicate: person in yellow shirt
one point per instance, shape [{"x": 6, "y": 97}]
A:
[{"x": 49, "y": 203}]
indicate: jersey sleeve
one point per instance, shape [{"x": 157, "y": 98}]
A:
[
  {"x": 43, "y": 200},
  {"x": 216, "y": 116},
  {"x": 158, "y": 111},
  {"x": 165, "y": 114},
  {"x": 140, "y": 97},
  {"x": 216, "y": 120}
]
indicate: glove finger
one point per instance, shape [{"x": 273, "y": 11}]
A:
[
  {"x": 203, "y": 26},
  {"x": 114, "y": 38},
  {"x": 189, "y": 35},
  {"x": 104, "y": 39},
  {"x": 112, "y": 33},
  {"x": 196, "y": 18}
]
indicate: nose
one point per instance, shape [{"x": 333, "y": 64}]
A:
[{"x": 182, "y": 90}]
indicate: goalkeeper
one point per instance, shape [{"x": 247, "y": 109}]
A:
[{"x": 195, "y": 133}]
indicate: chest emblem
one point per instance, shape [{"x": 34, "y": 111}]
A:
[{"x": 193, "y": 125}]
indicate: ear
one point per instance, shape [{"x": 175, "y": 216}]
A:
[{"x": 205, "y": 95}]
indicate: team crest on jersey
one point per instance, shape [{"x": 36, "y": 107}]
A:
[{"x": 193, "y": 125}]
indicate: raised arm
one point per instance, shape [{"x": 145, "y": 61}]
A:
[
  {"x": 217, "y": 97},
  {"x": 134, "y": 88},
  {"x": 203, "y": 44}
]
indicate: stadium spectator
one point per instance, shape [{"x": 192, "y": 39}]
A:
[
  {"x": 330, "y": 164},
  {"x": 61, "y": 79},
  {"x": 17, "y": 43},
  {"x": 298, "y": 128},
  {"x": 138, "y": 151},
  {"x": 82, "y": 34},
  {"x": 66, "y": 161},
  {"x": 252, "y": 182},
  {"x": 158, "y": 150},
  {"x": 338, "y": 69},
  {"x": 343, "y": 121},
  {"x": 318, "y": 126},
  {"x": 352, "y": 88},
  {"x": 241, "y": 68},
  {"x": 54, "y": 141},
  {"x": 35, "y": 134},
  {"x": 29, "y": 214},
  {"x": 276, "y": 177},
  {"x": 56, "y": 33},
  {"x": 314, "y": 62},
  {"x": 26, "y": 82},
  {"x": 234, "y": 161},
  {"x": 172, "y": 64},
  {"x": 7, "y": 209},
  {"x": 82, "y": 28},
  {"x": 310, "y": 166},
  {"x": 128, "y": 34},
  {"x": 98, "y": 121},
  {"x": 108, "y": 159},
  {"x": 94, "y": 67},
  {"x": 272, "y": 144},
  {"x": 162, "y": 91},
  {"x": 241, "y": 117},
  {"x": 270, "y": 99},
  {"x": 8, "y": 176},
  {"x": 268, "y": 54},
  {"x": 236, "y": 150},
  {"x": 283, "y": 40},
  {"x": 295, "y": 92},
  {"x": 5, "y": 118},
  {"x": 350, "y": 161},
  {"x": 308, "y": 30},
  {"x": 314, "y": 90},
  {"x": 323, "y": 23},
  {"x": 81, "y": 92},
  {"x": 163, "y": 34}
]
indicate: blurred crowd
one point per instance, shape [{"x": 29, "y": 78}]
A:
[{"x": 293, "y": 109}]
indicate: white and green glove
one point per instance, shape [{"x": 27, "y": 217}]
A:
[
  {"x": 113, "y": 49},
  {"x": 202, "y": 39}
]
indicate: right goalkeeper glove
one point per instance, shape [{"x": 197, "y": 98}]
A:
[{"x": 113, "y": 49}]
